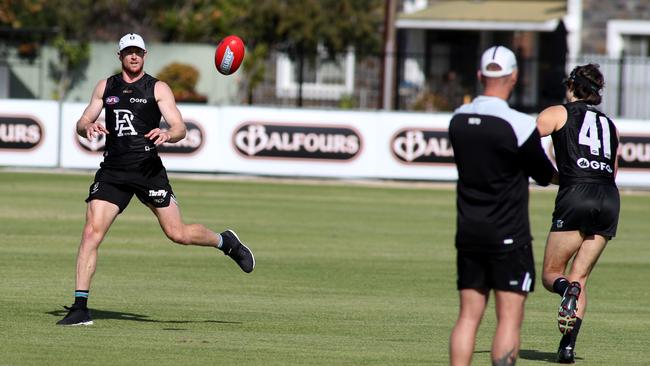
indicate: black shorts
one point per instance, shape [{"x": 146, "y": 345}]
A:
[
  {"x": 590, "y": 208},
  {"x": 513, "y": 270},
  {"x": 150, "y": 185}
]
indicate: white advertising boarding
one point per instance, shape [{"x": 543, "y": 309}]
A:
[
  {"x": 195, "y": 153},
  {"x": 29, "y": 133},
  {"x": 280, "y": 142}
]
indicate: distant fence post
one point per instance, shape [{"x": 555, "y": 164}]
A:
[{"x": 621, "y": 75}]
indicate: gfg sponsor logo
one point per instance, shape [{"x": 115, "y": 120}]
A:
[
  {"x": 634, "y": 152},
  {"x": 595, "y": 165},
  {"x": 138, "y": 100},
  {"x": 17, "y": 132},
  {"x": 420, "y": 146},
  {"x": 193, "y": 141},
  {"x": 262, "y": 140}
]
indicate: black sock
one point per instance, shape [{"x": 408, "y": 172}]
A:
[
  {"x": 560, "y": 285},
  {"x": 80, "y": 299},
  {"x": 574, "y": 332}
]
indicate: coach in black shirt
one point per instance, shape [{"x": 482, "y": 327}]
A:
[{"x": 496, "y": 150}]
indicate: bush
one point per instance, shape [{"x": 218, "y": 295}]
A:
[{"x": 182, "y": 80}]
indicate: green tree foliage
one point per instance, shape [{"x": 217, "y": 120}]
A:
[
  {"x": 197, "y": 20},
  {"x": 297, "y": 27},
  {"x": 305, "y": 24}
]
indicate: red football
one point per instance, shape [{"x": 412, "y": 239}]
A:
[{"x": 229, "y": 54}]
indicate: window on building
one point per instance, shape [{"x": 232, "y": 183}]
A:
[
  {"x": 636, "y": 45},
  {"x": 325, "y": 78}
]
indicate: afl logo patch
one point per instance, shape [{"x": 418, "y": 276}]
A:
[{"x": 112, "y": 100}]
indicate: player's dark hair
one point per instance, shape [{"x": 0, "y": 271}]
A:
[{"x": 586, "y": 82}]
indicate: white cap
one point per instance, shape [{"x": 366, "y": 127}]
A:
[
  {"x": 131, "y": 40},
  {"x": 501, "y": 56}
]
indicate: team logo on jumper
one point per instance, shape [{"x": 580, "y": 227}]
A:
[
  {"x": 124, "y": 122},
  {"x": 595, "y": 165},
  {"x": 418, "y": 146},
  {"x": 261, "y": 140},
  {"x": 20, "y": 132},
  {"x": 94, "y": 188},
  {"x": 559, "y": 224},
  {"x": 634, "y": 152},
  {"x": 112, "y": 100}
]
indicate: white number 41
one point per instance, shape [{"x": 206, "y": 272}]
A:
[{"x": 589, "y": 135}]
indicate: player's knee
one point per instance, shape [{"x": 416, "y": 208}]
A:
[
  {"x": 547, "y": 282},
  {"x": 178, "y": 236},
  {"x": 91, "y": 235},
  {"x": 548, "y": 279}
]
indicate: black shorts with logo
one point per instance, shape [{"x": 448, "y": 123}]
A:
[
  {"x": 590, "y": 208},
  {"x": 150, "y": 184},
  {"x": 513, "y": 270}
]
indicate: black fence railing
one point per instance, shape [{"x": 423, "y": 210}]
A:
[{"x": 440, "y": 85}]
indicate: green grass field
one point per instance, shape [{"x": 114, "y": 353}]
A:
[{"x": 347, "y": 274}]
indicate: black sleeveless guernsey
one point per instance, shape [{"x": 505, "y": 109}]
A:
[{"x": 131, "y": 112}]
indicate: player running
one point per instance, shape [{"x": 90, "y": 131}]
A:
[
  {"x": 134, "y": 103},
  {"x": 587, "y": 204}
]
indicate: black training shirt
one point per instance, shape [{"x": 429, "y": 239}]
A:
[{"x": 496, "y": 149}]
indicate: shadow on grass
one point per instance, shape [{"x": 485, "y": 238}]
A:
[
  {"x": 535, "y": 355},
  {"x": 98, "y": 314}
]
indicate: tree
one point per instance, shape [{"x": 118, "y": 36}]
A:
[
  {"x": 299, "y": 27},
  {"x": 69, "y": 26}
]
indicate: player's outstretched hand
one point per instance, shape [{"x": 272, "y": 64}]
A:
[
  {"x": 95, "y": 129},
  {"x": 158, "y": 136}
]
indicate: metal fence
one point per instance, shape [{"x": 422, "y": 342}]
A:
[
  {"x": 626, "y": 93},
  {"x": 439, "y": 83}
]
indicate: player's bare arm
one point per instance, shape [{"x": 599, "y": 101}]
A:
[
  {"x": 171, "y": 114},
  {"x": 87, "y": 125},
  {"x": 551, "y": 119}
]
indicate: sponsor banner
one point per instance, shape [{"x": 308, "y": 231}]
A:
[
  {"x": 422, "y": 146},
  {"x": 190, "y": 154},
  {"x": 416, "y": 146},
  {"x": 198, "y": 151},
  {"x": 298, "y": 142},
  {"x": 78, "y": 152},
  {"x": 633, "y": 153},
  {"x": 269, "y": 140},
  {"x": 28, "y": 133},
  {"x": 282, "y": 142}
]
